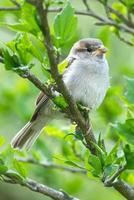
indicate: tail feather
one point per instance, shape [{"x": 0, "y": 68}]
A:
[{"x": 26, "y": 137}]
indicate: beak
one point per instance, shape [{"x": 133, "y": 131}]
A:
[{"x": 100, "y": 51}]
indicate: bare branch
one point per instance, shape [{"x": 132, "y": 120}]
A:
[
  {"x": 51, "y": 165},
  {"x": 102, "y": 20},
  {"x": 86, "y": 5},
  {"x": 13, "y": 8},
  {"x": 38, "y": 187},
  {"x": 125, "y": 189},
  {"x": 15, "y": 3},
  {"x": 127, "y": 25},
  {"x": 41, "y": 86},
  {"x": 54, "y": 194},
  {"x": 125, "y": 41},
  {"x": 9, "y": 8}
]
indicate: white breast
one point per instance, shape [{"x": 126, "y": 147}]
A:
[{"x": 87, "y": 81}]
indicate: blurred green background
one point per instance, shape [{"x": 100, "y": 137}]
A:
[{"x": 17, "y": 98}]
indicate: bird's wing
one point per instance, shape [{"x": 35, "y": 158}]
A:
[{"x": 43, "y": 98}]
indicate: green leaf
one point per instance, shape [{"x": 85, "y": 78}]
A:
[
  {"x": 11, "y": 61},
  {"x": 112, "y": 156},
  {"x": 129, "y": 155},
  {"x": 2, "y": 141},
  {"x": 62, "y": 66},
  {"x": 110, "y": 170},
  {"x": 20, "y": 167},
  {"x": 60, "y": 102},
  {"x": 129, "y": 94},
  {"x": 14, "y": 176},
  {"x": 65, "y": 24},
  {"x": 27, "y": 23},
  {"x": 73, "y": 164},
  {"x": 126, "y": 131},
  {"x": 3, "y": 169},
  {"x": 95, "y": 162},
  {"x": 27, "y": 47},
  {"x": 7, "y": 156},
  {"x": 101, "y": 143},
  {"x": 120, "y": 7}
]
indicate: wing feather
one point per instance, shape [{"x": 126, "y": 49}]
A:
[{"x": 43, "y": 98}]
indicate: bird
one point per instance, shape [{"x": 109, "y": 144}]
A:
[{"x": 87, "y": 80}]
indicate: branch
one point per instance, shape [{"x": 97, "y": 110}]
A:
[
  {"x": 13, "y": 8},
  {"x": 41, "y": 86},
  {"x": 102, "y": 20},
  {"x": 86, "y": 5},
  {"x": 127, "y": 27},
  {"x": 78, "y": 118},
  {"x": 51, "y": 165},
  {"x": 15, "y": 3},
  {"x": 125, "y": 41},
  {"x": 117, "y": 13},
  {"x": 9, "y": 8},
  {"x": 125, "y": 189},
  {"x": 38, "y": 187},
  {"x": 54, "y": 194},
  {"x": 122, "y": 187}
]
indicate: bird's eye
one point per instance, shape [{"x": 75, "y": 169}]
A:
[{"x": 89, "y": 49}]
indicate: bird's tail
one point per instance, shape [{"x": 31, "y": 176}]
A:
[{"x": 26, "y": 137}]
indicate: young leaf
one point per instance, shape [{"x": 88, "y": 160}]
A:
[
  {"x": 3, "y": 169},
  {"x": 129, "y": 94},
  {"x": 14, "y": 175},
  {"x": 2, "y": 140},
  {"x": 126, "y": 131},
  {"x": 65, "y": 25},
  {"x": 60, "y": 102},
  {"x": 110, "y": 170},
  {"x": 95, "y": 162},
  {"x": 73, "y": 164},
  {"x": 129, "y": 155},
  {"x": 27, "y": 23},
  {"x": 112, "y": 156},
  {"x": 62, "y": 66},
  {"x": 20, "y": 167},
  {"x": 11, "y": 61}
]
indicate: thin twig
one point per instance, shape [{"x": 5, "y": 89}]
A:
[
  {"x": 41, "y": 86},
  {"x": 51, "y": 165},
  {"x": 86, "y": 5},
  {"x": 102, "y": 20},
  {"x": 15, "y": 3},
  {"x": 125, "y": 41},
  {"x": 13, "y": 8},
  {"x": 117, "y": 13},
  {"x": 9, "y": 8}
]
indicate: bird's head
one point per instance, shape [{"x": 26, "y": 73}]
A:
[{"x": 89, "y": 48}]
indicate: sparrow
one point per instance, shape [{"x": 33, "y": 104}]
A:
[{"x": 87, "y": 80}]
